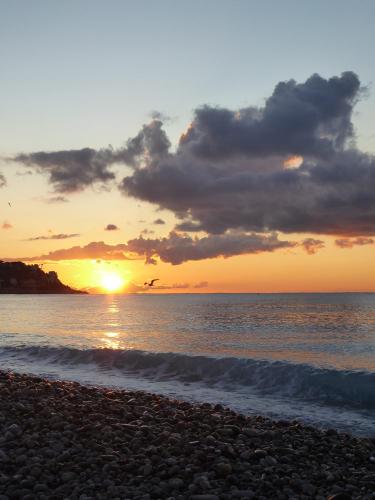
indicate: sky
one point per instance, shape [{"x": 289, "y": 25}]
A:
[{"x": 219, "y": 146}]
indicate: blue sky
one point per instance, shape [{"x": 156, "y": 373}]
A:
[{"x": 88, "y": 73}]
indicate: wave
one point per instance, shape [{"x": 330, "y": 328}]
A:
[{"x": 300, "y": 381}]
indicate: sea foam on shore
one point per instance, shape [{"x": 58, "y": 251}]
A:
[
  {"x": 65, "y": 440},
  {"x": 323, "y": 397}
]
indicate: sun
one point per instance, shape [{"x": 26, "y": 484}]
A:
[{"x": 112, "y": 282}]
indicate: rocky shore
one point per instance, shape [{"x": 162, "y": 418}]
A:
[{"x": 61, "y": 440}]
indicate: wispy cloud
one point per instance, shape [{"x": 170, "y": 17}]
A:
[
  {"x": 201, "y": 284},
  {"x": 351, "y": 242},
  {"x": 93, "y": 250},
  {"x": 6, "y": 225},
  {"x": 60, "y": 236},
  {"x": 56, "y": 199},
  {"x": 312, "y": 246}
]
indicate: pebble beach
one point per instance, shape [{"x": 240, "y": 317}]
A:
[{"x": 63, "y": 440}]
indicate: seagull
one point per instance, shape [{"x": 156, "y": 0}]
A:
[
  {"x": 9, "y": 203},
  {"x": 151, "y": 282}
]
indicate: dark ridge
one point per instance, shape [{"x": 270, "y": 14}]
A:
[{"x": 17, "y": 277}]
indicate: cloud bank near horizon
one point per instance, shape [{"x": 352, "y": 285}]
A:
[{"x": 174, "y": 249}]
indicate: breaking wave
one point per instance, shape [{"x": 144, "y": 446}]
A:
[{"x": 354, "y": 389}]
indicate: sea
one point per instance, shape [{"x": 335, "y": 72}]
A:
[{"x": 303, "y": 357}]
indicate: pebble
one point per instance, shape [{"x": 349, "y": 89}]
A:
[
  {"x": 61, "y": 440},
  {"x": 223, "y": 469},
  {"x": 340, "y": 496},
  {"x": 204, "y": 497}
]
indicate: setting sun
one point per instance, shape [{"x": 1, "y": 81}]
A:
[{"x": 112, "y": 282}]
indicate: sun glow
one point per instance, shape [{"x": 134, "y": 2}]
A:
[{"x": 112, "y": 282}]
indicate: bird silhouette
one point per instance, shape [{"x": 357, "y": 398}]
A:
[
  {"x": 151, "y": 283},
  {"x": 9, "y": 203}
]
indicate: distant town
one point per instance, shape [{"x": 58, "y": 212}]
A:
[{"x": 17, "y": 277}]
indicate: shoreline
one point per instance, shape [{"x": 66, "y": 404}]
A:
[{"x": 62, "y": 440}]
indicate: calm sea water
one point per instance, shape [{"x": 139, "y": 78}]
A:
[{"x": 298, "y": 356}]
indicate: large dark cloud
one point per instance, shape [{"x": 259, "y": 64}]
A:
[
  {"x": 311, "y": 118},
  {"x": 174, "y": 249},
  {"x": 72, "y": 170},
  {"x": 290, "y": 166}
]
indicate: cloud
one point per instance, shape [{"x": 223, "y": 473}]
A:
[
  {"x": 26, "y": 172},
  {"x": 174, "y": 249},
  {"x": 174, "y": 286},
  {"x": 93, "y": 250},
  {"x": 133, "y": 287},
  {"x": 312, "y": 246},
  {"x": 290, "y": 166},
  {"x": 3, "y": 181},
  {"x": 158, "y": 115},
  {"x": 351, "y": 242},
  {"x": 159, "y": 221},
  {"x": 240, "y": 176},
  {"x": 111, "y": 227},
  {"x": 6, "y": 225},
  {"x": 310, "y": 118},
  {"x": 147, "y": 231},
  {"x": 201, "y": 284},
  {"x": 72, "y": 170},
  {"x": 150, "y": 143},
  {"x": 178, "y": 248},
  {"x": 56, "y": 199},
  {"x": 53, "y": 237}
]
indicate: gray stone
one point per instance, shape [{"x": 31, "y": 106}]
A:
[
  {"x": 176, "y": 483},
  {"x": 223, "y": 469},
  {"x": 67, "y": 476},
  {"x": 204, "y": 497}
]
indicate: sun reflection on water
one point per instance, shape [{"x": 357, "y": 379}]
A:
[{"x": 110, "y": 340}]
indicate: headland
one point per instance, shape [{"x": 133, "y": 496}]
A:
[{"x": 17, "y": 277}]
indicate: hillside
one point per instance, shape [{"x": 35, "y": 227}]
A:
[{"x": 17, "y": 277}]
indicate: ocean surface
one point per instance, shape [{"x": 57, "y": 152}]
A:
[{"x": 306, "y": 357}]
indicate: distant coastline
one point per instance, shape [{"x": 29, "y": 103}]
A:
[{"x": 19, "y": 278}]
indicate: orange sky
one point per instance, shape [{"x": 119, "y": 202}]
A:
[{"x": 285, "y": 270}]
